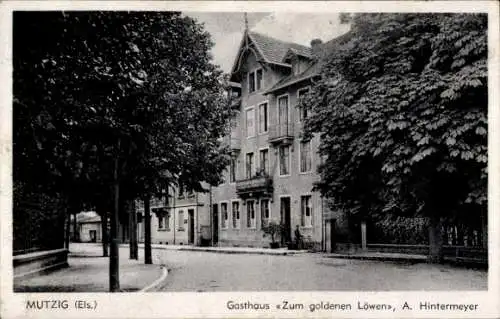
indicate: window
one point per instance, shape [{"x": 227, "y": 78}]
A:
[
  {"x": 180, "y": 221},
  {"x": 283, "y": 109},
  {"x": 250, "y": 214},
  {"x": 284, "y": 153},
  {"x": 255, "y": 80},
  {"x": 249, "y": 165},
  {"x": 236, "y": 215},
  {"x": 167, "y": 221},
  {"x": 251, "y": 82},
  {"x": 250, "y": 123},
  {"x": 223, "y": 214},
  {"x": 181, "y": 191},
  {"x": 305, "y": 157},
  {"x": 258, "y": 79},
  {"x": 306, "y": 210},
  {"x": 264, "y": 212},
  {"x": 283, "y": 116},
  {"x": 264, "y": 161},
  {"x": 232, "y": 170},
  {"x": 303, "y": 112},
  {"x": 296, "y": 69},
  {"x": 161, "y": 222},
  {"x": 263, "y": 118}
]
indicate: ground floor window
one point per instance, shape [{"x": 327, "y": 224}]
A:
[
  {"x": 251, "y": 214},
  {"x": 236, "y": 215},
  {"x": 224, "y": 215},
  {"x": 163, "y": 221},
  {"x": 181, "y": 220},
  {"x": 306, "y": 210},
  {"x": 265, "y": 212}
]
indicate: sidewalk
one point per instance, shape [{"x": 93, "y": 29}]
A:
[
  {"x": 408, "y": 258},
  {"x": 89, "y": 272},
  {"x": 227, "y": 250}
]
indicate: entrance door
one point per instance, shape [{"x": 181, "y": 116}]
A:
[
  {"x": 215, "y": 224},
  {"x": 93, "y": 236},
  {"x": 191, "y": 226},
  {"x": 285, "y": 219}
]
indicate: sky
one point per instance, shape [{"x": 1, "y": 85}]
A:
[{"x": 226, "y": 29}]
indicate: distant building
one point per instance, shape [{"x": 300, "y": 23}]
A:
[
  {"x": 89, "y": 229},
  {"x": 182, "y": 220}
]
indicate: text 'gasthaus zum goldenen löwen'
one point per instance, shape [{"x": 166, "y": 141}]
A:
[{"x": 287, "y": 305}]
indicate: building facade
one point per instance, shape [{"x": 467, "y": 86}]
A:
[
  {"x": 90, "y": 230},
  {"x": 182, "y": 220},
  {"x": 273, "y": 167}
]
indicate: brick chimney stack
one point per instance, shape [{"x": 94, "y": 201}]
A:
[{"x": 316, "y": 47}]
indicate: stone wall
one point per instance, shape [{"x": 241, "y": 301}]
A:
[{"x": 37, "y": 262}]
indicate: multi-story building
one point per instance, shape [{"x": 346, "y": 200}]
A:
[{"x": 273, "y": 167}]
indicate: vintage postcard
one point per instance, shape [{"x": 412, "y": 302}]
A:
[{"x": 249, "y": 159}]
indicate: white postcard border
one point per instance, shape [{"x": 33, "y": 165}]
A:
[{"x": 214, "y": 305}]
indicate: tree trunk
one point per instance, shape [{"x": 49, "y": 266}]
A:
[
  {"x": 147, "y": 231},
  {"x": 435, "y": 240},
  {"x": 133, "y": 246},
  {"x": 484, "y": 229},
  {"x": 114, "y": 270},
  {"x": 68, "y": 226},
  {"x": 67, "y": 231},
  {"x": 104, "y": 228},
  {"x": 76, "y": 234}
]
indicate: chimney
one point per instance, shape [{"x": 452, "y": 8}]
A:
[{"x": 316, "y": 47}]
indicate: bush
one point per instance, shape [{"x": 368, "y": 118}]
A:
[{"x": 273, "y": 229}]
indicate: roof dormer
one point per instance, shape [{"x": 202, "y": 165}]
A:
[{"x": 299, "y": 61}]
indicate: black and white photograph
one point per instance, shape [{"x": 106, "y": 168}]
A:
[{"x": 204, "y": 151}]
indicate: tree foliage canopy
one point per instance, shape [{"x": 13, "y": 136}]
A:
[
  {"x": 90, "y": 87},
  {"x": 401, "y": 108}
]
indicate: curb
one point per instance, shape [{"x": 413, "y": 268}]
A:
[
  {"x": 157, "y": 281},
  {"x": 381, "y": 258},
  {"x": 270, "y": 253},
  {"x": 285, "y": 253}
]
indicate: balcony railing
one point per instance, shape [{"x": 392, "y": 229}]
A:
[
  {"x": 281, "y": 133},
  {"x": 255, "y": 186}
]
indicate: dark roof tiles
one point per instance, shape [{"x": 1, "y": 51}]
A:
[{"x": 274, "y": 50}]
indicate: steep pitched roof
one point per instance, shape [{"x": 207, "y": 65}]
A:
[
  {"x": 268, "y": 49},
  {"x": 326, "y": 50},
  {"x": 274, "y": 50}
]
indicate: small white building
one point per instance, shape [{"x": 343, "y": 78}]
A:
[{"x": 90, "y": 230}]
